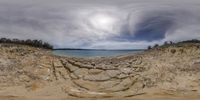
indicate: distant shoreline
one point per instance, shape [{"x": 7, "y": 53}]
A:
[
  {"x": 100, "y": 49},
  {"x": 94, "y": 52}
]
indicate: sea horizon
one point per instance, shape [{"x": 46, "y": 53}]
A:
[
  {"x": 82, "y": 53},
  {"x": 98, "y": 49}
]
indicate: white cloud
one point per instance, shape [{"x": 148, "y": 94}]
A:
[{"x": 96, "y": 23}]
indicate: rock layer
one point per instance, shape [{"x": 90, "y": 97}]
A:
[{"x": 124, "y": 76}]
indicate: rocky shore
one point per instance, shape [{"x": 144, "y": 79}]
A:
[{"x": 167, "y": 73}]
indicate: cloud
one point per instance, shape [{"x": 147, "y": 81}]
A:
[{"x": 107, "y": 24}]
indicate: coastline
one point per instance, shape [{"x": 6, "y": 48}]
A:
[
  {"x": 94, "y": 53},
  {"x": 31, "y": 73}
]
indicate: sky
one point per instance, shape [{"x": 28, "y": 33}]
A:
[{"x": 101, "y": 24}]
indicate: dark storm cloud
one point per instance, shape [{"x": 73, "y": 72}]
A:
[
  {"x": 161, "y": 24},
  {"x": 151, "y": 28},
  {"x": 154, "y": 27}
]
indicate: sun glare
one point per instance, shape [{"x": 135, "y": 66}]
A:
[{"x": 103, "y": 22}]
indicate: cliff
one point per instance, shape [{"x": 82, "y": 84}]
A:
[{"x": 164, "y": 72}]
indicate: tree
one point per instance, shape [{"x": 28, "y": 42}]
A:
[
  {"x": 166, "y": 43},
  {"x": 34, "y": 43},
  {"x": 156, "y": 45},
  {"x": 16, "y": 40},
  {"x": 149, "y": 47}
]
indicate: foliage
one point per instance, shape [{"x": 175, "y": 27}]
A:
[
  {"x": 191, "y": 41},
  {"x": 149, "y": 47},
  {"x": 169, "y": 43},
  {"x": 34, "y": 43},
  {"x": 156, "y": 46}
]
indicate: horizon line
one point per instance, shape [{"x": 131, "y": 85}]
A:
[{"x": 98, "y": 49}]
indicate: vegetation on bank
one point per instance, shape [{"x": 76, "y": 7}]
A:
[
  {"x": 45, "y": 45},
  {"x": 166, "y": 44},
  {"x": 191, "y": 41},
  {"x": 33, "y": 43}
]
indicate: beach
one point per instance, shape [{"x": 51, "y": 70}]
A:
[{"x": 167, "y": 73}]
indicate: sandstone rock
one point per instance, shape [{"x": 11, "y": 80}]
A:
[
  {"x": 43, "y": 73},
  {"x": 81, "y": 72},
  {"x": 122, "y": 76},
  {"x": 71, "y": 67},
  {"x": 73, "y": 76},
  {"x": 124, "y": 85},
  {"x": 138, "y": 62},
  {"x": 103, "y": 86},
  {"x": 62, "y": 74},
  {"x": 36, "y": 85},
  {"x": 99, "y": 77},
  {"x": 57, "y": 63},
  {"x": 24, "y": 78},
  {"x": 126, "y": 70},
  {"x": 89, "y": 85},
  {"x": 112, "y": 73},
  {"x": 95, "y": 71}
]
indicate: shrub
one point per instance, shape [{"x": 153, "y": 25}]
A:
[
  {"x": 166, "y": 43},
  {"x": 156, "y": 45},
  {"x": 149, "y": 47},
  {"x": 34, "y": 43}
]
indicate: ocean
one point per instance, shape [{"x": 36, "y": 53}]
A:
[{"x": 93, "y": 53}]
